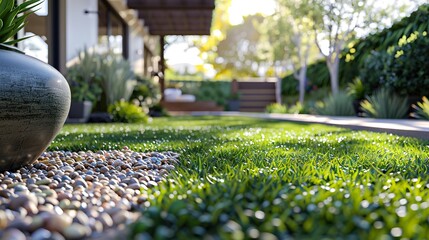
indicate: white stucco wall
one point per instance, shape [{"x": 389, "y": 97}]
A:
[
  {"x": 135, "y": 54},
  {"x": 81, "y": 28}
]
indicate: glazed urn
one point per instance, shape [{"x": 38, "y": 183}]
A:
[{"x": 34, "y": 103}]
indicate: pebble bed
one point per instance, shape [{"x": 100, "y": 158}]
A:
[{"x": 76, "y": 195}]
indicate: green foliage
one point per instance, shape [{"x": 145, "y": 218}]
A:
[
  {"x": 217, "y": 91},
  {"x": 146, "y": 92},
  {"x": 385, "y": 104},
  {"x": 287, "y": 38},
  {"x": 157, "y": 110},
  {"x": 289, "y": 86},
  {"x": 298, "y": 108},
  {"x": 403, "y": 69},
  {"x": 207, "y": 45},
  {"x": 409, "y": 70},
  {"x": 317, "y": 75},
  {"x": 356, "y": 89},
  {"x": 85, "y": 77},
  {"x": 105, "y": 78},
  {"x": 238, "y": 54},
  {"x": 421, "y": 109},
  {"x": 127, "y": 113},
  {"x": 13, "y": 18},
  {"x": 339, "y": 104},
  {"x": 382, "y": 41},
  {"x": 141, "y": 91},
  {"x": 374, "y": 72},
  {"x": 117, "y": 78},
  {"x": 244, "y": 177},
  {"x": 276, "y": 108},
  {"x": 355, "y": 55}
]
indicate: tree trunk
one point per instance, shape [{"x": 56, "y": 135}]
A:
[
  {"x": 333, "y": 68},
  {"x": 302, "y": 83}
]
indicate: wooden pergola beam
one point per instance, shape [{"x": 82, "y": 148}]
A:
[
  {"x": 177, "y": 22},
  {"x": 180, "y": 32},
  {"x": 173, "y": 17},
  {"x": 171, "y": 4}
]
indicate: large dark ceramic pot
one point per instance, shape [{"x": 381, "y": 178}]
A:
[{"x": 34, "y": 103}]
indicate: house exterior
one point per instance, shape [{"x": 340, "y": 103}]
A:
[
  {"x": 63, "y": 28},
  {"x": 133, "y": 28}
]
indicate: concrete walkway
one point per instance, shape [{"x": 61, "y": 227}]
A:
[{"x": 402, "y": 127}]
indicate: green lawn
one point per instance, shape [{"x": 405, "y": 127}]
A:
[{"x": 242, "y": 178}]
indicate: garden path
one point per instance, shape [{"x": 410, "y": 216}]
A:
[{"x": 402, "y": 127}]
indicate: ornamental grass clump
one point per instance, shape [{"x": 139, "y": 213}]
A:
[
  {"x": 421, "y": 109},
  {"x": 85, "y": 77},
  {"x": 384, "y": 104},
  {"x": 356, "y": 89},
  {"x": 339, "y": 104},
  {"x": 13, "y": 18},
  {"x": 118, "y": 78}
]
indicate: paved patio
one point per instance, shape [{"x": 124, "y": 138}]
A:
[{"x": 402, "y": 127}]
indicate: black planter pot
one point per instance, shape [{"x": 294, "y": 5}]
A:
[
  {"x": 34, "y": 103},
  {"x": 234, "y": 105},
  {"x": 79, "y": 111}
]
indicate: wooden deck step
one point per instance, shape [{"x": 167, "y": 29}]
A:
[
  {"x": 256, "y": 91},
  {"x": 256, "y": 96},
  {"x": 265, "y": 97},
  {"x": 256, "y": 85},
  {"x": 191, "y": 106}
]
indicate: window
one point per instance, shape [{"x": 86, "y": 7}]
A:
[
  {"x": 37, "y": 27},
  {"x": 112, "y": 30}
]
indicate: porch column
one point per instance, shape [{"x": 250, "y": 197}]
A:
[{"x": 161, "y": 64}]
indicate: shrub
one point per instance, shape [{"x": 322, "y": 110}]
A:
[
  {"x": 356, "y": 89},
  {"x": 146, "y": 91},
  {"x": 421, "y": 109},
  {"x": 158, "y": 110},
  {"x": 374, "y": 72},
  {"x": 141, "y": 91},
  {"x": 298, "y": 108},
  {"x": 127, "y": 113},
  {"x": 409, "y": 71},
  {"x": 117, "y": 78},
  {"x": 384, "y": 104},
  {"x": 289, "y": 86},
  {"x": 276, "y": 108},
  {"x": 85, "y": 77},
  {"x": 217, "y": 91},
  {"x": 403, "y": 69},
  {"x": 339, "y": 104}
]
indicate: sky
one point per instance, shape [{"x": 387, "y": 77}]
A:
[{"x": 178, "y": 53}]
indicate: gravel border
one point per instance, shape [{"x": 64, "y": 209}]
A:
[{"x": 75, "y": 195}]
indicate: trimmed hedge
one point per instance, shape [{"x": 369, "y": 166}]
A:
[{"x": 356, "y": 53}]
